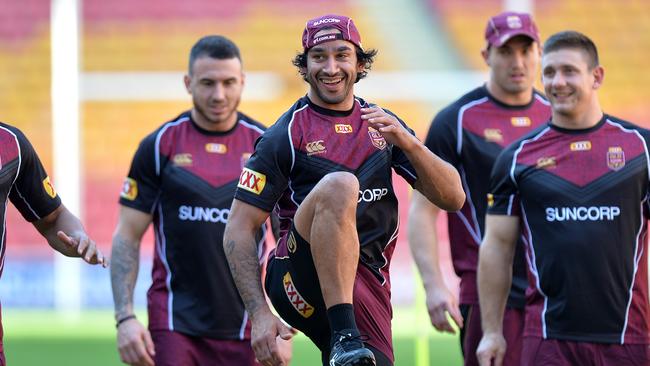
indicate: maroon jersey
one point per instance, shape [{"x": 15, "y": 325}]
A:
[
  {"x": 469, "y": 134},
  {"x": 309, "y": 142},
  {"x": 582, "y": 196},
  {"x": 24, "y": 181},
  {"x": 186, "y": 178}
]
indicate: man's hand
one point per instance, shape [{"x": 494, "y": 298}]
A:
[
  {"x": 441, "y": 301},
  {"x": 266, "y": 328},
  {"x": 134, "y": 344},
  {"x": 388, "y": 126},
  {"x": 491, "y": 348},
  {"x": 84, "y": 246}
]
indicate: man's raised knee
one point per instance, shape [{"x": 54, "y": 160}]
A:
[{"x": 342, "y": 185}]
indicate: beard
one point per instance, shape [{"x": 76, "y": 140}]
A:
[
  {"x": 330, "y": 98},
  {"x": 212, "y": 118}
]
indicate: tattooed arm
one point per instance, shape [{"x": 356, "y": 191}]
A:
[
  {"x": 241, "y": 251},
  {"x": 133, "y": 340}
]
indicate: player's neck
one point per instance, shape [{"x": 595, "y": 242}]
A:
[
  {"x": 512, "y": 99},
  {"x": 221, "y": 126},
  {"x": 579, "y": 120},
  {"x": 345, "y": 105}
]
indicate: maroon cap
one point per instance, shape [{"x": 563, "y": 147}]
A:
[
  {"x": 348, "y": 31},
  {"x": 502, "y": 27}
]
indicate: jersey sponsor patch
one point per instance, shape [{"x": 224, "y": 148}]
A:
[
  {"x": 342, "y": 128},
  {"x": 297, "y": 301},
  {"x": 129, "y": 189},
  {"x": 546, "y": 162},
  {"x": 493, "y": 135},
  {"x": 615, "y": 158},
  {"x": 315, "y": 147},
  {"x": 215, "y": 148},
  {"x": 182, "y": 159},
  {"x": 376, "y": 138},
  {"x": 49, "y": 188},
  {"x": 252, "y": 181},
  {"x": 580, "y": 146},
  {"x": 520, "y": 121}
]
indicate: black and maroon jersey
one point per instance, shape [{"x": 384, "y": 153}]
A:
[
  {"x": 469, "y": 134},
  {"x": 186, "y": 178},
  {"x": 582, "y": 196},
  {"x": 307, "y": 143},
  {"x": 24, "y": 181}
]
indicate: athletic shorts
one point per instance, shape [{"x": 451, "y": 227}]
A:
[
  {"x": 174, "y": 349},
  {"x": 294, "y": 290},
  {"x": 471, "y": 334},
  {"x": 554, "y": 352}
]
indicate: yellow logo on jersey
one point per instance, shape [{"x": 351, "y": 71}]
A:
[
  {"x": 252, "y": 181},
  {"x": 212, "y": 147},
  {"x": 342, "y": 128},
  {"x": 546, "y": 162},
  {"x": 183, "y": 159},
  {"x": 581, "y": 146},
  {"x": 493, "y": 135},
  {"x": 315, "y": 147},
  {"x": 490, "y": 200},
  {"x": 520, "y": 121},
  {"x": 615, "y": 158},
  {"x": 49, "y": 188},
  {"x": 297, "y": 301},
  {"x": 129, "y": 189}
]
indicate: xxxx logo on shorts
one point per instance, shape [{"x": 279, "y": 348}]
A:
[
  {"x": 129, "y": 189},
  {"x": 49, "y": 188},
  {"x": 376, "y": 138},
  {"x": 252, "y": 181},
  {"x": 297, "y": 301}
]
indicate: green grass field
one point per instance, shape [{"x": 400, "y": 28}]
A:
[{"x": 47, "y": 338}]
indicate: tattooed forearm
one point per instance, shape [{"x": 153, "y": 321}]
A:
[
  {"x": 245, "y": 269},
  {"x": 125, "y": 257}
]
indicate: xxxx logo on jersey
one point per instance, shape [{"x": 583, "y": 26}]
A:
[
  {"x": 129, "y": 189},
  {"x": 49, "y": 188},
  {"x": 297, "y": 301},
  {"x": 342, "y": 128},
  {"x": 252, "y": 181}
]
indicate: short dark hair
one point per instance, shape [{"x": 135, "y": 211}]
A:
[
  {"x": 218, "y": 47},
  {"x": 364, "y": 57},
  {"x": 574, "y": 40}
]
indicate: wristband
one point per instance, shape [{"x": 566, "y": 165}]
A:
[{"x": 122, "y": 320}]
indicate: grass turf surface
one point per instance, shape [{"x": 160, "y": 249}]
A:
[{"x": 45, "y": 337}]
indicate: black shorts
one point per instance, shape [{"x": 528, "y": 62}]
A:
[{"x": 294, "y": 289}]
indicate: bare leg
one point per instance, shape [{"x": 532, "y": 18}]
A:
[{"x": 327, "y": 220}]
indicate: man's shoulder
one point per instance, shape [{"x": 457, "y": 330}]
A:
[
  {"x": 473, "y": 97},
  {"x": 249, "y": 122}
]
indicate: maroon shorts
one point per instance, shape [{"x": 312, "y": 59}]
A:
[
  {"x": 543, "y": 352},
  {"x": 174, "y": 348},
  {"x": 294, "y": 289},
  {"x": 471, "y": 334}
]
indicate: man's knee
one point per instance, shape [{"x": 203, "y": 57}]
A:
[{"x": 338, "y": 187}]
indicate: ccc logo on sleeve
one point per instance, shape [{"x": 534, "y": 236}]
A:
[{"x": 252, "y": 181}]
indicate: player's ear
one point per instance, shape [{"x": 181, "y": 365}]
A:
[
  {"x": 599, "y": 76},
  {"x": 187, "y": 80},
  {"x": 485, "y": 53}
]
